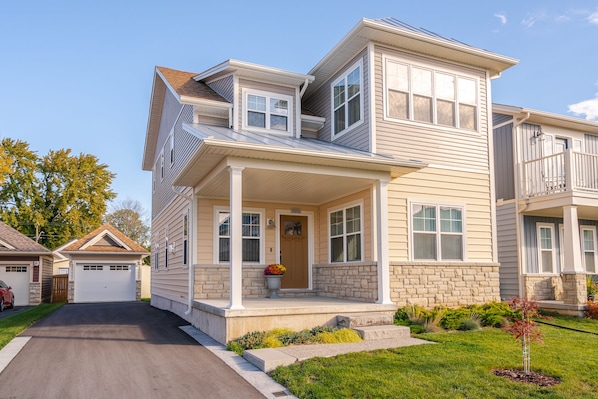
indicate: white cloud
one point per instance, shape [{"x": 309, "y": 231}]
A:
[
  {"x": 593, "y": 18},
  {"x": 531, "y": 19},
  {"x": 589, "y": 108},
  {"x": 502, "y": 16}
]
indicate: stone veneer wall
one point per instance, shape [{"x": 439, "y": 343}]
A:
[
  {"x": 444, "y": 284},
  {"x": 574, "y": 288},
  {"x": 542, "y": 287},
  {"x": 347, "y": 281},
  {"x": 35, "y": 293},
  {"x": 213, "y": 282}
]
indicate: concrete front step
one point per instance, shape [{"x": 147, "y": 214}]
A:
[
  {"x": 368, "y": 333},
  {"x": 364, "y": 319}
]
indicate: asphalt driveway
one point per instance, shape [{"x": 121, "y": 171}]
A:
[{"x": 117, "y": 350}]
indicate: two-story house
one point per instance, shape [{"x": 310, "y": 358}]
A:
[
  {"x": 369, "y": 178},
  {"x": 547, "y": 209}
]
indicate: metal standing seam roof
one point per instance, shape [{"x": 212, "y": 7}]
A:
[
  {"x": 205, "y": 132},
  {"x": 400, "y": 24}
]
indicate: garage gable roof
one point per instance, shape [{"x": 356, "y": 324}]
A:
[
  {"x": 105, "y": 239},
  {"x": 12, "y": 241}
]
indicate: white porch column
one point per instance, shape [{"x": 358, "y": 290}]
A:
[
  {"x": 382, "y": 244},
  {"x": 236, "y": 237},
  {"x": 571, "y": 241}
]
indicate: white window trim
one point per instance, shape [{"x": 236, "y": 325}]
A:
[
  {"x": 343, "y": 208},
  {"x": 156, "y": 256},
  {"x": 290, "y": 124},
  {"x": 461, "y": 206},
  {"x": 539, "y": 247},
  {"x": 165, "y": 252},
  {"x": 344, "y": 75},
  {"x": 433, "y": 68},
  {"x": 216, "y": 246},
  {"x": 171, "y": 148},
  {"x": 185, "y": 235},
  {"x": 583, "y": 249},
  {"x": 561, "y": 247},
  {"x": 162, "y": 165}
]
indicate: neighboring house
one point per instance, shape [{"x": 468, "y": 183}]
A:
[
  {"x": 103, "y": 266},
  {"x": 547, "y": 205},
  {"x": 369, "y": 178},
  {"x": 26, "y": 266}
]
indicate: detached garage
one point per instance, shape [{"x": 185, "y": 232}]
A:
[
  {"x": 104, "y": 266},
  {"x": 26, "y": 266}
]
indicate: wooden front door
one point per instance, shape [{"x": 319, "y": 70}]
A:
[{"x": 294, "y": 251}]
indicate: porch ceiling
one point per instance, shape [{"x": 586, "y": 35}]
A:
[
  {"x": 552, "y": 205},
  {"x": 283, "y": 169}
]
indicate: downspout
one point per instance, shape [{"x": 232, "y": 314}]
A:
[
  {"x": 304, "y": 88},
  {"x": 517, "y": 176},
  {"x": 190, "y": 257}
]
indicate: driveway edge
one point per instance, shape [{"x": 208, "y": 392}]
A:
[
  {"x": 11, "y": 350},
  {"x": 260, "y": 380}
]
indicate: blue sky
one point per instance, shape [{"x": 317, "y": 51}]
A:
[{"x": 78, "y": 74}]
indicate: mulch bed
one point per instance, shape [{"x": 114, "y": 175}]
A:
[{"x": 538, "y": 379}]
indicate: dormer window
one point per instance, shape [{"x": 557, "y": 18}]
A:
[{"x": 267, "y": 112}]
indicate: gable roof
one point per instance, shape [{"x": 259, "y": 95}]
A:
[
  {"x": 185, "y": 86},
  {"x": 105, "y": 239},
  {"x": 12, "y": 241}
]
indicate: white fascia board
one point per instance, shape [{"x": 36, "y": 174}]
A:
[
  {"x": 548, "y": 118},
  {"x": 241, "y": 68},
  {"x": 7, "y": 245},
  {"x": 102, "y": 235}
]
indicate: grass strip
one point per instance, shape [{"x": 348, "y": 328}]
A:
[{"x": 11, "y": 326}]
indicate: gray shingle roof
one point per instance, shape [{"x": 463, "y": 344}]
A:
[{"x": 17, "y": 242}]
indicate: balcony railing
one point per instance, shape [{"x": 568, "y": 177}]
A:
[{"x": 565, "y": 171}]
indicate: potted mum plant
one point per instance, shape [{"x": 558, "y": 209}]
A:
[{"x": 274, "y": 273}]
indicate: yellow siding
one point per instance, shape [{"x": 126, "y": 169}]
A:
[{"x": 440, "y": 186}]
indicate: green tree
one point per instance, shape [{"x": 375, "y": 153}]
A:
[
  {"x": 55, "y": 198},
  {"x": 129, "y": 216},
  {"x": 5, "y": 165}
]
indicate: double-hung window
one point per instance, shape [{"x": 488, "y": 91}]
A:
[
  {"x": 156, "y": 256},
  {"x": 589, "y": 248},
  {"x": 185, "y": 239},
  {"x": 546, "y": 248},
  {"x": 424, "y": 94},
  {"x": 437, "y": 232},
  {"x": 267, "y": 111},
  {"x": 251, "y": 232},
  {"x": 345, "y": 234},
  {"x": 347, "y": 100}
]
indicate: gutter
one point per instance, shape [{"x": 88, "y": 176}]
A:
[
  {"x": 517, "y": 200},
  {"x": 191, "y": 276}
]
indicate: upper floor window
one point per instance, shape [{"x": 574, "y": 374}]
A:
[
  {"x": 267, "y": 111},
  {"x": 347, "y": 100},
  {"x": 161, "y": 166},
  {"x": 251, "y": 232},
  {"x": 423, "y": 94},
  {"x": 171, "y": 141},
  {"x": 437, "y": 232},
  {"x": 345, "y": 234}
]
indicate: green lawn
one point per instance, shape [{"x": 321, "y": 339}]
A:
[
  {"x": 458, "y": 366},
  {"x": 13, "y": 325}
]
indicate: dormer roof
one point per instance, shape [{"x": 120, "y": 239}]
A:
[{"x": 105, "y": 239}]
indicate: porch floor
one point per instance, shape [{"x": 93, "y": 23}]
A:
[{"x": 262, "y": 314}]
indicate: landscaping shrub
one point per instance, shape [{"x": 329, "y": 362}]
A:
[
  {"x": 344, "y": 335},
  {"x": 592, "y": 310},
  {"x": 473, "y": 322}
]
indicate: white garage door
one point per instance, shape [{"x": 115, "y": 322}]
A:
[
  {"x": 17, "y": 276},
  {"x": 104, "y": 283}
]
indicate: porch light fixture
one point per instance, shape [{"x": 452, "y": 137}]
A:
[{"x": 537, "y": 136}]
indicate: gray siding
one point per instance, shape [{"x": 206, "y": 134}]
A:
[
  {"x": 531, "y": 239},
  {"x": 503, "y": 162},
  {"x": 184, "y": 146},
  {"x": 225, "y": 87},
  {"x": 507, "y": 251},
  {"x": 529, "y": 148},
  {"x": 170, "y": 112},
  {"x": 427, "y": 142},
  {"x": 320, "y": 103},
  {"x": 591, "y": 144},
  {"x": 497, "y": 119}
]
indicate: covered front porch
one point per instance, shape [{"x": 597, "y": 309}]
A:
[{"x": 215, "y": 318}]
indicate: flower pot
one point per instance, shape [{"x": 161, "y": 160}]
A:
[{"x": 273, "y": 285}]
